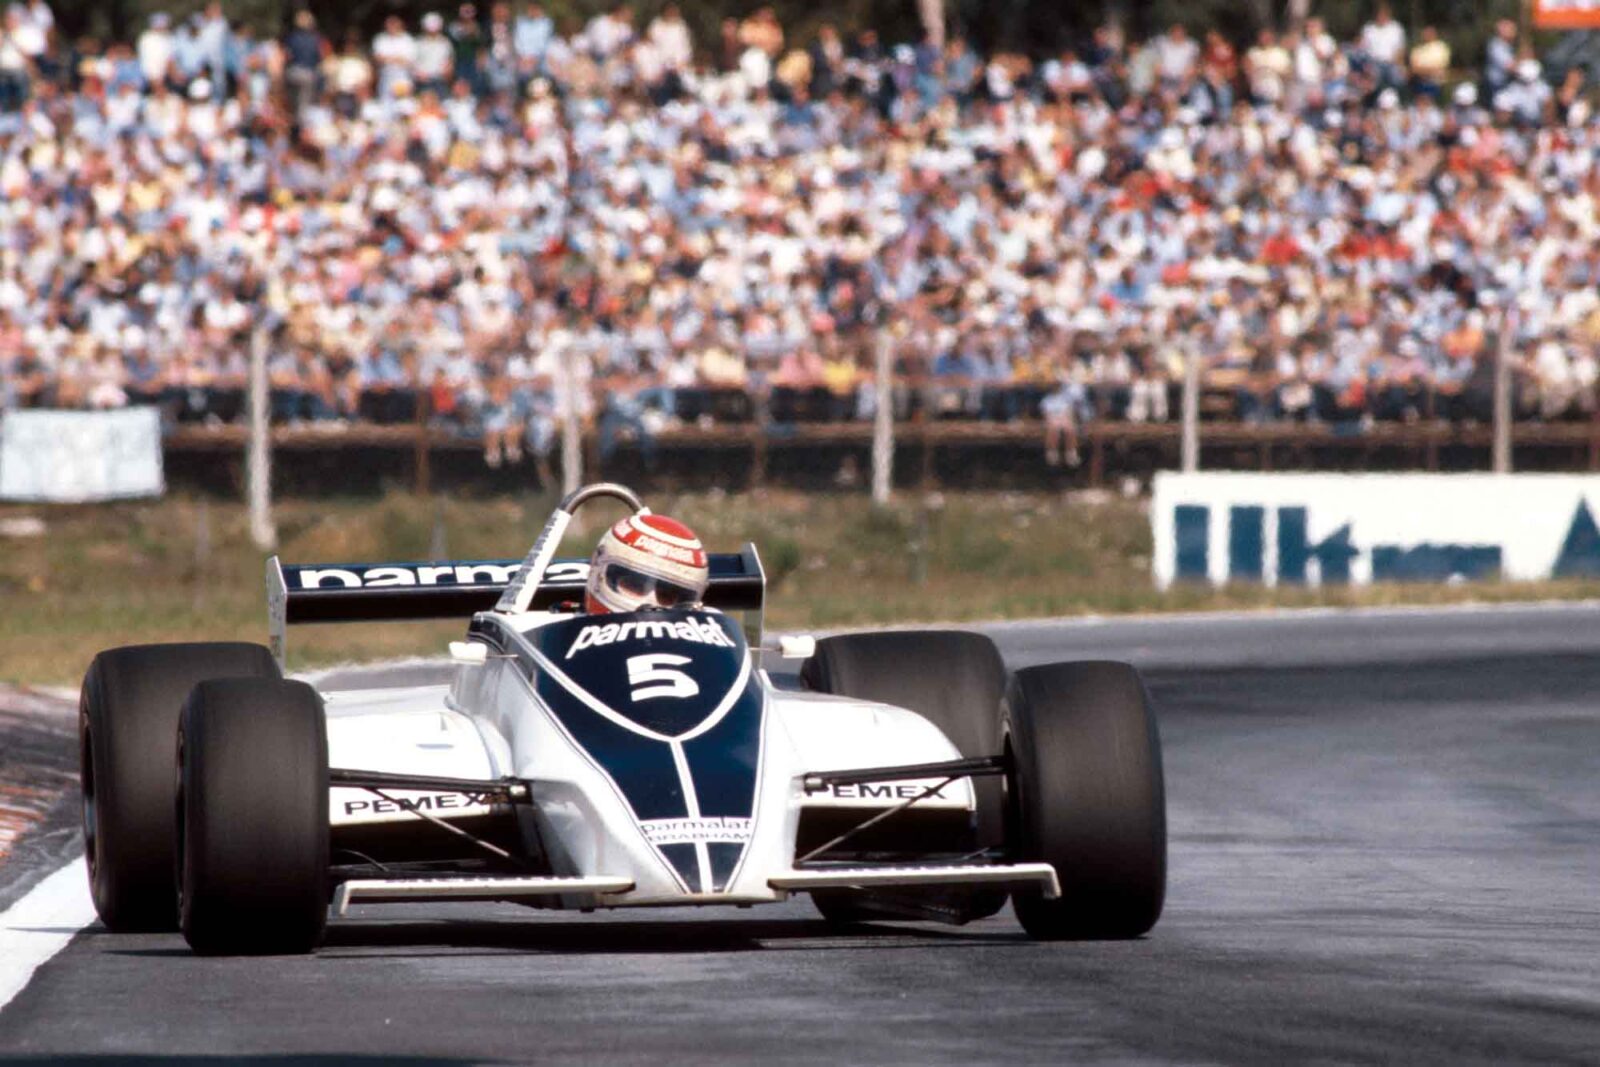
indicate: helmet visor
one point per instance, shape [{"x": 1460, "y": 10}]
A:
[{"x": 648, "y": 589}]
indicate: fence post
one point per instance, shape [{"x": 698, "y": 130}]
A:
[
  {"x": 258, "y": 462},
  {"x": 1191, "y": 407},
  {"x": 1502, "y": 392},
  {"x": 925, "y": 439},
  {"x": 1594, "y": 428},
  {"x": 883, "y": 425},
  {"x": 760, "y": 427},
  {"x": 571, "y": 444},
  {"x": 422, "y": 456},
  {"x": 202, "y": 552}
]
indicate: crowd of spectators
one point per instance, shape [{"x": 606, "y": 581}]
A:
[{"x": 493, "y": 219}]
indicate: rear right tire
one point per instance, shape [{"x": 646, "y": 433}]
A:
[{"x": 253, "y": 818}]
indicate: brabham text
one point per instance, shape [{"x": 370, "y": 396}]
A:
[{"x": 684, "y": 831}]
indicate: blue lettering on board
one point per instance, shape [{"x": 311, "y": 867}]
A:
[
  {"x": 1246, "y": 531},
  {"x": 1295, "y": 550},
  {"x": 1427, "y": 562},
  {"x": 1434, "y": 563},
  {"x": 1580, "y": 552},
  {"x": 1191, "y": 525}
]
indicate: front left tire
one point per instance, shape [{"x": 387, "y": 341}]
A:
[
  {"x": 1085, "y": 793},
  {"x": 128, "y": 713}
]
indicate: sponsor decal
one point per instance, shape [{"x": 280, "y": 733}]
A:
[
  {"x": 430, "y": 574},
  {"x": 1335, "y": 530},
  {"x": 674, "y": 721},
  {"x": 875, "y": 791},
  {"x": 700, "y": 631},
  {"x": 431, "y": 802},
  {"x": 677, "y": 554},
  {"x": 1332, "y": 556},
  {"x": 661, "y": 537},
  {"x": 718, "y": 829}
]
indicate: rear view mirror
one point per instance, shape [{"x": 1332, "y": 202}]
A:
[
  {"x": 469, "y": 653},
  {"x": 797, "y": 646}
]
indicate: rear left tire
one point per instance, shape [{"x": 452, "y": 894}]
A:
[
  {"x": 253, "y": 818},
  {"x": 955, "y": 679},
  {"x": 952, "y": 678}
]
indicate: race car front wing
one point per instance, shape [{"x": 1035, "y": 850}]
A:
[{"x": 807, "y": 872}]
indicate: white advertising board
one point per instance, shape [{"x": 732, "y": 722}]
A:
[
  {"x": 73, "y": 457},
  {"x": 1336, "y": 529}
]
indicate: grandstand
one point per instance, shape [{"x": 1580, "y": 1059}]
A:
[{"x": 471, "y": 227}]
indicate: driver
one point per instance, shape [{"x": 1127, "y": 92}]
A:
[{"x": 646, "y": 561}]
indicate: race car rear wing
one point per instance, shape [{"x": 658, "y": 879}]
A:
[{"x": 393, "y": 592}]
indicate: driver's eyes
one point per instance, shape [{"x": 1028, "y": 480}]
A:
[
  {"x": 635, "y": 584},
  {"x": 667, "y": 593}
]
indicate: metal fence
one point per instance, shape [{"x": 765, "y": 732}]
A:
[{"x": 898, "y": 404}]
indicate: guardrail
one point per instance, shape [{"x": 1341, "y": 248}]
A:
[{"x": 927, "y": 452}]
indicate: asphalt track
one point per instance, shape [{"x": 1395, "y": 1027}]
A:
[{"x": 1385, "y": 845}]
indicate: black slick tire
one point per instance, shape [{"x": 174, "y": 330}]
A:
[
  {"x": 253, "y": 818},
  {"x": 128, "y": 713},
  {"x": 1085, "y": 794},
  {"x": 954, "y": 679}
]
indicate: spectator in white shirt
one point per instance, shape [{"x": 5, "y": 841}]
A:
[
  {"x": 670, "y": 35},
  {"x": 395, "y": 52},
  {"x": 435, "y": 56},
  {"x": 531, "y": 38},
  {"x": 1384, "y": 41},
  {"x": 1176, "y": 56},
  {"x": 1527, "y": 98},
  {"x": 21, "y": 45},
  {"x": 155, "y": 48},
  {"x": 608, "y": 33},
  {"x": 350, "y": 76},
  {"x": 42, "y": 16},
  {"x": 212, "y": 41},
  {"x": 14, "y": 65},
  {"x": 1267, "y": 67}
]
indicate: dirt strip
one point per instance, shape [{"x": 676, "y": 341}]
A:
[{"x": 38, "y": 760}]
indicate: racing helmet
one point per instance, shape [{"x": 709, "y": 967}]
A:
[{"x": 646, "y": 561}]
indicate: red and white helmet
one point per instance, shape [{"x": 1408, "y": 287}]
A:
[{"x": 646, "y": 561}]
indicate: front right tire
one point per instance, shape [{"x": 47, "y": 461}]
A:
[{"x": 253, "y": 818}]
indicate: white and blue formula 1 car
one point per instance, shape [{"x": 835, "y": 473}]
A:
[{"x": 609, "y": 761}]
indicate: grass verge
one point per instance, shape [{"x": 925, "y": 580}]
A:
[{"x": 184, "y": 569}]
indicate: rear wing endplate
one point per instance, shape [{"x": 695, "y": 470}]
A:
[{"x": 394, "y": 592}]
